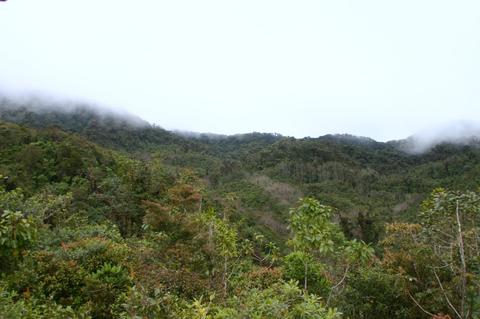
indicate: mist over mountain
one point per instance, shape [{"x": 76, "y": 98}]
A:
[
  {"x": 457, "y": 133},
  {"x": 104, "y": 125},
  {"x": 44, "y": 106},
  {"x": 77, "y": 116}
]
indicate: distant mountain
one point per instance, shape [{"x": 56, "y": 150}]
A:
[{"x": 106, "y": 127}]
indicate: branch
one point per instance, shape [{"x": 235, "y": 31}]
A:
[
  {"x": 445, "y": 294},
  {"x": 419, "y": 306},
  {"x": 338, "y": 284},
  {"x": 343, "y": 278}
]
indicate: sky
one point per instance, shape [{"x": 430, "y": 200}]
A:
[{"x": 378, "y": 68}]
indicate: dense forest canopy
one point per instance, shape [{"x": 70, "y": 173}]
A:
[{"x": 103, "y": 216}]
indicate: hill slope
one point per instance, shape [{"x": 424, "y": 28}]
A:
[
  {"x": 103, "y": 217},
  {"x": 369, "y": 182}
]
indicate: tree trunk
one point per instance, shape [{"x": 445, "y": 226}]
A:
[
  {"x": 305, "y": 280},
  {"x": 225, "y": 278},
  {"x": 464, "y": 264}
]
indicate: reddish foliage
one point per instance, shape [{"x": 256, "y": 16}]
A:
[{"x": 265, "y": 277}]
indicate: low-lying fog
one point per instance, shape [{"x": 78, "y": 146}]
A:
[{"x": 457, "y": 132}]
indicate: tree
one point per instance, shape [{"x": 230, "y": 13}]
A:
[
  {"x": 315, "y": 234},
  {"x": 223, "y": 239},
  {"x": 451, "y": 227},
  {"x": 439, "y": 257},
  {"x": 17, "y": 233}
]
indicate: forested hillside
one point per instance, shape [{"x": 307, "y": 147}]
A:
[{"x": 106, "y": 216}]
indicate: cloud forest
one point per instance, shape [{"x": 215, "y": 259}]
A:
[{"x": 106, "y": 216}]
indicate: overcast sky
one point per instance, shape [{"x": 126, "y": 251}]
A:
[{"x": 383, "y": 69}]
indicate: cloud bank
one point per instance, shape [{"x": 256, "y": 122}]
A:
[{"x": 456, "y": 132}]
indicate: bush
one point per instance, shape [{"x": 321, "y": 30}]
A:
[
  {"x": 372, "y": 293},
  {"x": 282, "y": 300},
  {"x": 13, "y": 307},
  {"x": 104, "y": 286}
]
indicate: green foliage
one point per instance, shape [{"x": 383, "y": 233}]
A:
[
  {"x": 320, "y": 240},
  {"x": 438, "y": 257},
  {"x": 374, "y": 293},
  {"x": 103, "y": 218},
  {"x": 17, "y": 233},
  {"x": 11, "y": 200},
  {"x": 283, "y": 300},
  {"x": 137, "y": 302},
  {"x": 104, "y": 286},
  {"x": 451, "y": 224},
  {"x": 299, "y": 265},
  {"x": 312, "y": 228},
  {"x": 222, "y": 235},
  {"x": 84, "y": 271},
  {"x": 93, "y": 252},
  {"x": 223, "y": 240},
  {"x": 11, "y": 308},
  {"x": 48, "y": 208}
]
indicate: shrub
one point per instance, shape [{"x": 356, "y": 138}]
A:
[{"x": 104, "y": 286}]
